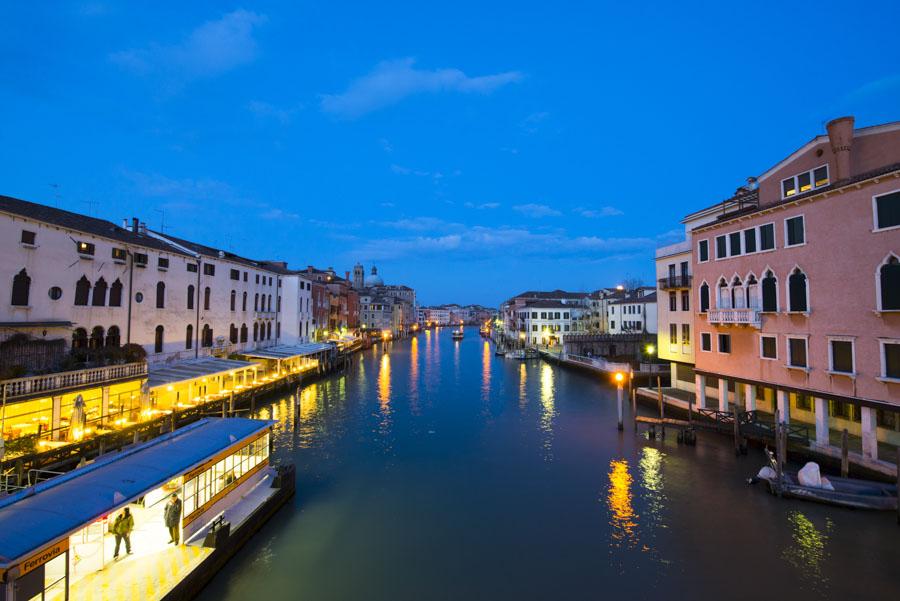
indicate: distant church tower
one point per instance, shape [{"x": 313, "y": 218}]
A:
[{"x": 358, "y": 275}]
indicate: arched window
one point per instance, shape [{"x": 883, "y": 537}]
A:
[
  {"x": 889, "y": 284},
  {"x": 206, "y": 292},
  {"x": 723, "y": 301},
  {"x": 158, "y": 340},
  {"x": 769, "y": 292},
  {"x": 189, "y": 337},
  {"x": 704, "y": 297},
  {"x": 190, "y": 297},
  {"x": 256, "y": 302},
  {"x": 160, "y": 295},
  {"x": 233, "y": 299},
  {"x": 206, "y": 336},
  {"x": 20, "y": 288},
  {"x": 243, "y": 332},
  {"x": 737, "y": 293},
  {"x": 99, "y": 297},
  {"x": 96, "y": 337},
  {"x": 82, "y": 291},
  {"x": 113, "y": 337},
  {"x": 752, "y": 288},
  {"x": 269, "y": 330},
  {"x": 244, "y": 303},
  {"x": 255, "y": 331},
  {"x": 278, "y": 330},
  {"x": 797, "y": 293},
  {"x": 269, "y": 304},
  {"x": 115, "y": 294},
  {"x": 233, "y": 333},
  {"x": 79, "y": 338}
]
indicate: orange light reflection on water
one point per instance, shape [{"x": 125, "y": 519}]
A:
[{"x": 622, "y": 517}]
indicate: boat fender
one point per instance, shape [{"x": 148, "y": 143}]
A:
[{"x": 766, "y": 473}]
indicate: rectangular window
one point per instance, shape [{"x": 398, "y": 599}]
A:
[
  {"x": 85, "y": 248},
  {"x": 118, "y": 254},
  {"x": 685, "y": 303},
  {"x": 887, "y": 210},
  {"x": 804, "y": 182},
  {"x": 141, "y": 259},
  {"x": 28, "y": 237},
  {"x": 192, "y": 267},
  {"x": 767, "y": 236},
  {"x": 257, "y": 278},
  {"x": 797, "y": 352},
  {"x": 724, "y": 343},
  {"x": 556, "y": 315},
  {"x": 793, "y": 231},
  {"x": 209, "y": 269},
  {"x": 734, "y": 240},
  {"x": 534, "y": 315},
  {"x": 673, "y": 333},
  {"x": 685, "y": 333},
  {"x": 534, "y": 328},
  {"x": 566, "y": 315},
  {"x": 891, "y": 358},
  {"x": 245, "y": 279},
  {"x": 673, "y": 302},
  {"x": 768, "y": 347},
  {"x": 543, "y": 315},
  {"x": 235, "y": 274},
  {"x": 842, "y": 356},
  {"x": 163, "y": 263},
  {"x": 706, "y": 341},
  {"x": 721, "y": 247},
  {"x": 803, "y": 402},
  {"x": 750, "y": 241},
  {"x": 703, "y": 251}
]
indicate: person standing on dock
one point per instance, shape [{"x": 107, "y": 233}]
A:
[
  {"x": 172, "y": 516},
  {"x": 122, "y": 528}
]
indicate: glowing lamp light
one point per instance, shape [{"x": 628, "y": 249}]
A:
[
  {"x": 619, "y": 377},
  {"x": 620, "y": 287},
  {"x": 651, "y": 349}
]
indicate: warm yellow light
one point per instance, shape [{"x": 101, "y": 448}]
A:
[
  {"x": 170, "y": 388},
  {"x": 620, "y": 287},
  {"x": 651, "y": 349},
  {"x": 619, "y": 376}
]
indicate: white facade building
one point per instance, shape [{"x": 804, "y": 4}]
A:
[
  {"x": 633, "y": 314},
  {"x": 296, "y": 309},
  {"x": 97, "y": 284},
  {"x": 546, "y": 322}
]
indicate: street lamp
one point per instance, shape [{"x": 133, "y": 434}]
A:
[{"x": 619, "y": 377}]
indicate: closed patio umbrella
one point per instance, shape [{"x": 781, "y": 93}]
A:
[
  {"x": 145, "y": 400},
  {"x": 77, "y": 420}
]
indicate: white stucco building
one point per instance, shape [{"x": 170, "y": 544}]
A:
[{"x": 636, "y": 313}]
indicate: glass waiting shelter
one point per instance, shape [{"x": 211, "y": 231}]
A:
[
  {"x": 55, "y": 537},
  {"x": 280, "y": 361},
  {"x": 188, "y": 383}
]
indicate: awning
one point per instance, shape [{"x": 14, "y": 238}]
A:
[
  {"x": 162, "y": 375},
  {"x": 287, "y": 351},
  {"x": 57, "y": 507}
]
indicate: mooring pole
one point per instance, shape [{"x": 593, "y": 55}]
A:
[
  {"x": 845, "y": 454},
  {"x": 620, "y": 393},
  {"x": 634, "y": 408},
  {"x": 737, "y": 432},
  {"x": 778, "y": 452}
]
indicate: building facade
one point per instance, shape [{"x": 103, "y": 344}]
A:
[
  {"x": 635, "y": 313},
  {"x": 797, "y": 292}
]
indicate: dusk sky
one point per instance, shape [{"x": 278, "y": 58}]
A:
[{"x": 471, "y": 150}]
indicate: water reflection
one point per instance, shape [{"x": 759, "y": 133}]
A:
[
  {"x": 414, "y": 375},
  {"x": 486, "y": 371},
  {"x": 808, "y": 551},
  {"x": 652, "y": 481},
  {"x": 523, "y": 380},
  {"x": 548, "y": 409},
  {"x": 384, "y": 384},
  {"x": 622, "y": 518}
]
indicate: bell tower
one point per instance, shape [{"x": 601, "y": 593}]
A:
[{"x": 358, "y": 276}]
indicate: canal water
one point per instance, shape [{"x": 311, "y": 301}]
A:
[{"x": 432, "y": 469}]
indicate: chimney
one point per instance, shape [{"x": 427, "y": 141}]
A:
[
  {"x": 840, "y": 135},
  {"x": 143, "y": 228},
  {"x": 347, "y": 275},
  {"x": 134, "y": 224},
  {"x": 124, "y": 224}
]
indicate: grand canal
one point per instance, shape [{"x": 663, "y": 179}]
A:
[{"x": 432, "y": 469}]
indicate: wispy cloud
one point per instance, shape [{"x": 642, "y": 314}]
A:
[
  {"x": 531, "y": 123},
  {"x": 876, "y": 87},
  {"x": 482, "y": 206},
  {"x": 266, "y": 110},
  {"x": 392, "y": 81},
  {"x": 601, "y": 212},
  {"x": 536, "y": 210},
  {"x": 386, "y": 145},
  {"x": 417, "y": 224},
  {"x": 160, "y": 186},
  {"x": 211, "y": 49},
  {"x": 278, "y": 214}
]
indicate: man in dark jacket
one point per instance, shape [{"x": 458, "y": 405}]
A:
[
  {"x": 122, "y": 528},
  {"x": 172, "y": 516}
]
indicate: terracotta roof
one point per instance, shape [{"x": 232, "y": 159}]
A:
[
  {"x": 549, "y": 304},
  {"x": 81, "y": 223}
]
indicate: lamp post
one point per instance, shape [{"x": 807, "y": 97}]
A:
[{"x": 619, "y": 377}]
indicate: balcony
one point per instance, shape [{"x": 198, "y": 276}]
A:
[
  {"x": 55, "y": 383},
  {"x": 675, "y": 281},
  {"x": 734, "y": 317}
]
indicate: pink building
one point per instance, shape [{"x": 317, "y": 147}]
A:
[{"x": 797, "y": 288}]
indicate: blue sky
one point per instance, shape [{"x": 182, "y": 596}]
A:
[{"x": 468, "y": 149}]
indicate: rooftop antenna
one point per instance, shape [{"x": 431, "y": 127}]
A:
[
  {"x": 162, "y": 220},
  {"x": 56, "y": 194},
  {"x": 91, "y": 205}
]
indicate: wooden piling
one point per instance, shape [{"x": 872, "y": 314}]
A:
[
  {"x": 778, "y": 453},
  {"x": 634, "y": 408},
  {"x": 662, "y": 405},
  {"x": 897, "y": 457},
  {"x": 737, "y": 431},
  {"x": 845, "y": 454}
]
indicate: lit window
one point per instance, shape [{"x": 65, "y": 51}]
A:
[{"x": 804, "y": 182}]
